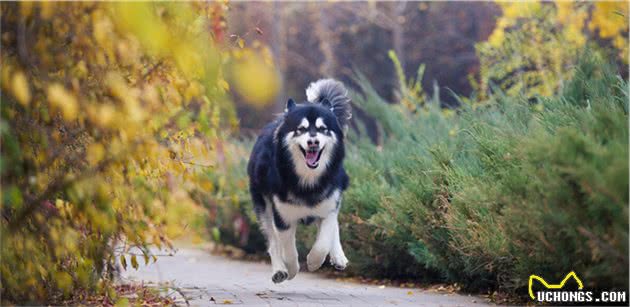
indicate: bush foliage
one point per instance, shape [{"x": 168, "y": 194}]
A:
[{"x": 496, "y": 193}]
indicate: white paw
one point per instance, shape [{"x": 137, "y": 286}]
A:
[
  {"x": 315, "y": 259},
  {"x": 339, "y": 261}
]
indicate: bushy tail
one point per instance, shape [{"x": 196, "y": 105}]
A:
[{"x": 331, "y": 93}]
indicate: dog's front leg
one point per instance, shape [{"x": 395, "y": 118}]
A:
[{"x": 324, "y": 242}]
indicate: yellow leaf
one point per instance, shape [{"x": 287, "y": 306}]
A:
[
  {"x": 20, "y": 89},
  {"x": 46, "y": 9},
  {"x": 64, "y": 281},
  {"x": 104, "y": 115},
  {"x": 123, "y": 261},
  {"x": 241, "y": 42},
  {"x": 224, "y": 84},
  {"x": 95, "y": 153},
  {"x": 26, "y": 8},
  {"x": 134, "y": 262},
  {"x": 255, "y": 81},
  {"x": 62, "y": 99},
  {"x": 193, "y": 90}
]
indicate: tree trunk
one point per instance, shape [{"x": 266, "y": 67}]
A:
[
  {"x": 324, "y": 35},
  {"x": 279, "y": 41}
]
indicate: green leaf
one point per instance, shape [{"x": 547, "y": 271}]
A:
[
  {"x": 216, "y": 234},
  {"x": 123, "y": 302}
]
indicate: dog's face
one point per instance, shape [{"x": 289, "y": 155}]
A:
[{"x": 311, "y": 135}]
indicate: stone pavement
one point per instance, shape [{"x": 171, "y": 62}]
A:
[{"x": 208, "y": 280}]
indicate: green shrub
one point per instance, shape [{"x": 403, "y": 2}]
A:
[{"x": 491, "y": 195}]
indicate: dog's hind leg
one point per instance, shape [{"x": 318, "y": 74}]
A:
[
  {"x": 324, "y": 241},
  {"x": 289, "y": 250},
  {"x": 279, "y": 269},
  {"x": 280, "y": 272},
  {"x": 337, "y": 256}
]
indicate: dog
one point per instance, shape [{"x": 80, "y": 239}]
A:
[{"x": 296, "y": 175}]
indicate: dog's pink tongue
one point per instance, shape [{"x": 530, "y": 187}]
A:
[{"x": 311, "y": 157}]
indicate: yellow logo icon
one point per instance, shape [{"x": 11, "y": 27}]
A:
[{"x": 556, "y": 286}]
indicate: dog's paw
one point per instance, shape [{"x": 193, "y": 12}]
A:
[
  {"x": 315, "y": 259},
  {"x": 339, "y": 262},
  {"x": 279, "y": 276}
]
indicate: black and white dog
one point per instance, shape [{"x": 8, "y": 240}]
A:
[{"x": 296, "y": 175}]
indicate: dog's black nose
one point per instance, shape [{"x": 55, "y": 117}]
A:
[{"x": 312, "y": 142}]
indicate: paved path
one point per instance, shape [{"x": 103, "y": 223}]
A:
[{"x": 213, "y": 280}]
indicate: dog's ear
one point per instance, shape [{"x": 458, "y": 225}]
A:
[{"x": 290, "y": 105}]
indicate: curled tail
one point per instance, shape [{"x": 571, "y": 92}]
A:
[{"x": 332, "y": 94}]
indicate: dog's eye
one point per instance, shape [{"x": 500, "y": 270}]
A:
[
  {"x": 321, "y": 129},
  {"x": 301, "y": 130}
]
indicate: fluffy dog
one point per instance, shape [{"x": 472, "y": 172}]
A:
[{"x": 296, "y": 175}]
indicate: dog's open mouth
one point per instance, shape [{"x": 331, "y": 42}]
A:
[{"x": 312, "y": 155}]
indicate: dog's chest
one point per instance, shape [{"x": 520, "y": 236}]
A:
[{"x": 292, "y": 212}]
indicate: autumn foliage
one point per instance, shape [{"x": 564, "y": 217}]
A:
[
  {"x": 535, "y": 44},
  {"x": 103, "y": 110}
]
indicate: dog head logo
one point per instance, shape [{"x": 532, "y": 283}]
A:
[{"x": 553, "y": 286}]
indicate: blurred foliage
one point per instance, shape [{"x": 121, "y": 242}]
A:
[
  {"x": 253, "y": 74},
  {"x": 110, "y": 115},
  {"x": 535, "y": 45},
  {"x": 309, "y": 41}
]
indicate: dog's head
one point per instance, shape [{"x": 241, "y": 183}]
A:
[{"x": 313, "y": 138}]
